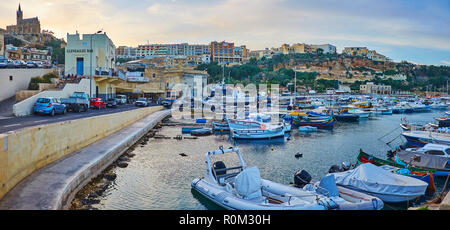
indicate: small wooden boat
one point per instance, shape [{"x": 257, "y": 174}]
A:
[
  {"x": 221, "y": 126},
  {"x": 263, "y": 132},
  {"x": 189, "y": 129},
  {"x": 327, "y": 123},
  {"x": 421, "y": 138},
  {"x": 201, "y": 132}
]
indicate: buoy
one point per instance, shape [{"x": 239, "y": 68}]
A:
[
  {"x": 297, "y": 155},
  {"x": 272, "y": 148}
]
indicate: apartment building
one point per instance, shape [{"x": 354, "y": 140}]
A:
[
  {"x": 225, "y": 53},
  {"x": 171, "y": 49},
  {"x": 126, "y": 52}
]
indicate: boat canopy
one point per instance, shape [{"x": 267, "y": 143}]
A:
[
  {"x": 423, "y": 160},
  {"x": 371, "y": 178},
  {"x": 248, "y": 183}
]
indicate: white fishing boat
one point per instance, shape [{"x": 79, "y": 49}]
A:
[
  {"x": 421, "y": 138},
  {"x": 360, "y": 113},
  {"x": 242, "y": 188},
  {"x": 376, "y": 181},
  {"x": 265, "y": 131}
]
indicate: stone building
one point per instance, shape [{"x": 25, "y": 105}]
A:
[
  {"x": 370, "y": 87},
  {"x": 24, "y": 26}
]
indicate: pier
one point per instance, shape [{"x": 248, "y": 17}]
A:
[{"x": 54, "y": 185}]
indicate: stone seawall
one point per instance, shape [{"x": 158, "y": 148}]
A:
[{"x": 24, "y": 151}]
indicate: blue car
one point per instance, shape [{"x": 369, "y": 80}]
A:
[{"x": 49, "y": 106}]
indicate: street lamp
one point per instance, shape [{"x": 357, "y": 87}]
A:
[{"x": 91, "y": 51}]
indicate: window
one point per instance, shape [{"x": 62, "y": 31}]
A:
[
  {"x": 435, "y": 152},
  {"x": 10, "y": 78}
]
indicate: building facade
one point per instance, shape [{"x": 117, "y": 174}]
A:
[
  {"x": 92, "y": 54},
  {"x": 183, "y": 49},
  {"x": 126, "y": 52},
  {"x": 326, "y": 48},
  {"x": 356, "y": 51},
  {"x": 2, "y": 43},
  {"x": 24, "y": 26},
  {"x": 27, "y": 54},
  {"x": 224, "y": 53},
  {"x": 370, "y": 87}
]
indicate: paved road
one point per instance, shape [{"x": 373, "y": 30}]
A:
[{"x": 13, "y": 123}]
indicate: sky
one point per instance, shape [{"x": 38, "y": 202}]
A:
[{"x": 417, "y": 31}]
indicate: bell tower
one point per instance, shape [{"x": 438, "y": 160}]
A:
[{"x": 19, "y": 15}]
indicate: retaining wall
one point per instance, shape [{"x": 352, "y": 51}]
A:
[
  {"x": 12, "y": 80},
  {"x": 26, "y": 150}
]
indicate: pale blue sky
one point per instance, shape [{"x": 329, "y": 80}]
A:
[{"x": 412, "y": 30}]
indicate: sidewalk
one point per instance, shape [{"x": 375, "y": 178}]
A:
[{"x": 53, "y": 186}]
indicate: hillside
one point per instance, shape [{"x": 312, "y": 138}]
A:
[{"x": 321, "y": 71}]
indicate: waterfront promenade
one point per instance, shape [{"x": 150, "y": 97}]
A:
[{"x": 53, "y": 186}]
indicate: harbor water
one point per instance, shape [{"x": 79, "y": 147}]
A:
[{"x": 158, "y": 177}]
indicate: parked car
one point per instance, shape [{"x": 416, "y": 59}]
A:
[
  {"x": 79, "y": 101},
  {"x": 31, "y": 64},
  {"x": 97, "y": 102},
  {"x": 18, "y": 64},
  {"x": 23, "y": 64},
  {"x": 10, "y": 64},
  {"x": 39, "y": 64},
  {"x": 112, "y": 102},
  {"x": 167, "y": 102},
  {"x": 3, "y": 63},
  {"x": 49, "y": 105},
  {"x": 141, "y": 102},
  {"x": 121, "y": 99}
]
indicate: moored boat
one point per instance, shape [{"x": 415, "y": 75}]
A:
[
  {"x": 201, "y": 132},
  {"x": 260, "y": 133},
  {"x": 327, "y": 123},
  {"x": 421, "y": 138},
  {"x": 242, "y": 188},
  {"x": 378, "y": 182}
]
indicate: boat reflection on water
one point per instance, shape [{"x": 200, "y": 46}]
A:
[{"x": 209, "y": 205}]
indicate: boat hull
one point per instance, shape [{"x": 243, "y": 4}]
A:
[{"x": 321, "y": 124}]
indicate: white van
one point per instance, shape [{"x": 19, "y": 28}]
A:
[{"x": 121, "y": 99}]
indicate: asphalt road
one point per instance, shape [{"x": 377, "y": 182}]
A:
[{"x": 14, "y": 123}]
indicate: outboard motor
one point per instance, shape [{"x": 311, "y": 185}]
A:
[
  {"x": 334, "y": 169},
  {"x": 219, "y": 165},
  {"x": 346, "y": 166},
  {"x": 301, "y": 179}
]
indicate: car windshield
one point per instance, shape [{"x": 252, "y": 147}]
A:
[
  {"x": 142, "y": 99},
  {"x": 43, "y": 100}
]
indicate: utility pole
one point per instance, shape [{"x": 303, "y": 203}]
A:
[{"x": 295, "y": 83}]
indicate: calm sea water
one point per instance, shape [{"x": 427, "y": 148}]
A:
[{"x": 159, "y": 178}]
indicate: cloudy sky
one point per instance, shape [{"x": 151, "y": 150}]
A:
[{"x": 414, "y": 30}]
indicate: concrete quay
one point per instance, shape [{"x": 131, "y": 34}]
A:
[{"x": 54, "y": 186}]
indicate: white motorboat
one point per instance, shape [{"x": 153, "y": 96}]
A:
[
  {"x": 242, "y": 188},
  {"x": 376, "y": 181}
]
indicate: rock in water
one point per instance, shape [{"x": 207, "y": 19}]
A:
[{"x": 183, "y": 154}]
